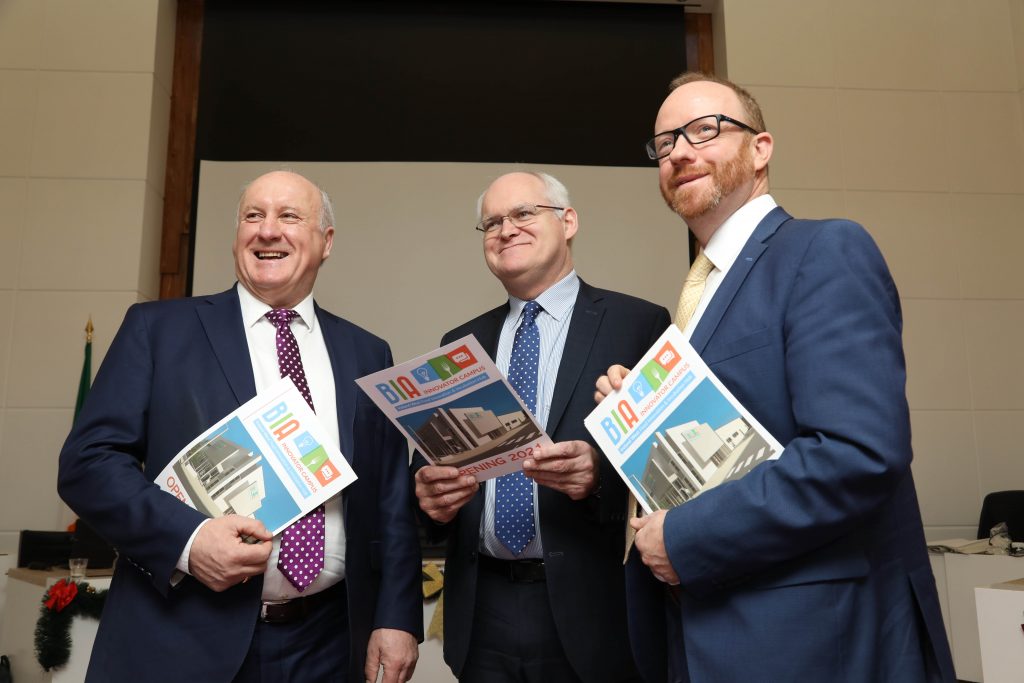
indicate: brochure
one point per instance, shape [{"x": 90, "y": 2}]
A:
[
  {"x": 269, "y": 459},
  {"x": 458, "y": 410},
  {"x": 674, "y": 431}
]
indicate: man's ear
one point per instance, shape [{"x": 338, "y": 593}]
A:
[
  {"x": 328, "y": 242},
  {"x": 570, "y": 223},
  {"x": 763, "y": 146}
]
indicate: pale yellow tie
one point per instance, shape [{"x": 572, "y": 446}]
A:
[{"x": 693, "y": 289}]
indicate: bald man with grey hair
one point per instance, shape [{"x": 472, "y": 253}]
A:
[
  {"x": 215, "y": 600},
  {"x": 548, "y": 607}
]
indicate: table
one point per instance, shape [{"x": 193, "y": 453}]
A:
[
  {"x": 956, "y": 577},
  {"x": 25, "y": 590},
  {"x": 1000, "y": 619}
]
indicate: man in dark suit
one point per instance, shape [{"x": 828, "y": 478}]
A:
[
  {"x": 553, "y": 610},
  {"x": 181, "y": 606},
  {"x": 812, "y": 567}
]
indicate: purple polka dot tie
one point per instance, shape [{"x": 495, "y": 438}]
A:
[
  {"x": 513, "y": 495},
  {"x": 302, "y": 544}
]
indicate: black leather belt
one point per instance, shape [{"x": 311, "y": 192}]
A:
[
  {"x": 516, "y": 571},
  {"x": 287, "y": 611}
]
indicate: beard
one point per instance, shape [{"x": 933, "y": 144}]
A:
[{"x": 691, "y": 202}]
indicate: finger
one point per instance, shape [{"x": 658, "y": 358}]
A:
[
  {"x": 252, "y": 559},
  {"x": 616, "y": 374},
  {"x": 639, "y": 523},
  {"x": 403, "y": 673},
  {"x": 462, "y": 484},
  {"x": 247, "y": 526},
  {"x": 391, "y": 672},
  {"x": 434, "y": 473},
  {"x": 448, "y": 500},
  {"x": 372, "y": 665},
  {"x": 565, "y": 465}
]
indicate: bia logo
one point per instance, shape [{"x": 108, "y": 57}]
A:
[
  {"x": 652, "y": 375},
  {"x": 280, "y": 422},
  {"x": 442, "y": 367}
]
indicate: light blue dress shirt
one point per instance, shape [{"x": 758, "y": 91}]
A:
[{"x": 558, "y": 302}]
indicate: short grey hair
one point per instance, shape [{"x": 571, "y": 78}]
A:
[
  {"x": 555, "y": 191},
  {"x": 326, "y": 208},
  {"x": 326, "y": 214}
]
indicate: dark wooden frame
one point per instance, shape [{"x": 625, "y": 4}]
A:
[{"x": 176, "y": 239}]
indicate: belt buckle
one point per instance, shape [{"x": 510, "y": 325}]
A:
[
  {"x": 265, "y": 609},
  {"x": 526, "y": 571}
]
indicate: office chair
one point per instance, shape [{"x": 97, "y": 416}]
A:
[{"x": 1003, "y": 506}]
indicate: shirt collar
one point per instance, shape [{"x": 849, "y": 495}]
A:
[
  {"x": 557, "y": 300},
  {"x": 727, "y": 242},
  {"x": 254, "y": 310}
]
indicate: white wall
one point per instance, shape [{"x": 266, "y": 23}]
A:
[
  {"x": 906, "y": 116},
  {"x": 84, "y": 96},
  {"x": 407, "y": 263},
  {"x": 84, "y": 104}
]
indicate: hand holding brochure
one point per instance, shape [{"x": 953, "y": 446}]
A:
[
  {"x": 269, "y": 459},
  {"x": 458, "y": 410},
  {"x": 674, "y": 431}
]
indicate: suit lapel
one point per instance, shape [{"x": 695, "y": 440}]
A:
[
  {"x": 586, "y": 319},
  {"x": 225, "y": 330},
  {"x": 489, "y": 329},
  {"x": 726, "y": 292},
  {"x": 344, "y": 379}
]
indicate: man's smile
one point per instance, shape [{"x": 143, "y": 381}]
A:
[{"x": 264, "y": 255}]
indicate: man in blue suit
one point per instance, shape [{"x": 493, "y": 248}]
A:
[
  {"x": 181, "y": 606},
  {"x": 812, "y": 567},
  {"x": 553, "y": 610}
]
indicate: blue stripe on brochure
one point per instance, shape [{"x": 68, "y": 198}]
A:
[
  {"x": 285, "y": 463},
  {"x": 433, "y": 398}
]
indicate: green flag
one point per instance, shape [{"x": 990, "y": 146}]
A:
[{"x": 86, "y": 379}]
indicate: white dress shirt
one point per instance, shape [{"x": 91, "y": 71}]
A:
[
  {"x": 261, "y": 336},
  {"x": 724, "y": 248}
]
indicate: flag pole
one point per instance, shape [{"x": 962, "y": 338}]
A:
[{"x": 86, "y": 379}]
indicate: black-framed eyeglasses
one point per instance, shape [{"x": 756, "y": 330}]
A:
[
  {"x": 696, "y": 132},
  {"x": 520, "y": 216}
]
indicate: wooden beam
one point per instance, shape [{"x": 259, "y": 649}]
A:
[
  {"x": 175, "y": 244},
  {"x": 700, "y": 54}
]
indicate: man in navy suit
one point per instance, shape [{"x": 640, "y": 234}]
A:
[
  {"x": 181, "y": 606},
  {"x": 812, "y": 567},
  {"x": 552, "y": 611}
]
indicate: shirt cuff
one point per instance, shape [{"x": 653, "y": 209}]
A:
[{"x": 182, "y": 565}]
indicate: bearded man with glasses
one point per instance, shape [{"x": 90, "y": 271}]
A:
[
  {"x": 812, "y": 567},
  {"x": 550, "y": 608}
]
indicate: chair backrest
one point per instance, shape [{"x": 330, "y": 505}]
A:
[
  {"x": 44, "y": 549},
  {"x": 90, "y": 545},
  {"x": 1003, "y": 506}
]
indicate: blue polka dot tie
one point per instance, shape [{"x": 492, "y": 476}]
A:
[
  {"x": 302, "y": 544},
  {"x": 513, "y": 499}
]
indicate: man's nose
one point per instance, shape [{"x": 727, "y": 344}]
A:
[
  {"x": 682, "y": 151},
  {"x": 269, "y": 228},
  {"x": 508, "y": 228}
]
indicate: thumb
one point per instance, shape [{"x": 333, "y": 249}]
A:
[{"x": 247, "y": 526}]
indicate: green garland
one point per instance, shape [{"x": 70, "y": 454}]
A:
[
  {"x": 61, "y": 604},
  {"x": 66, "y": 600}
]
